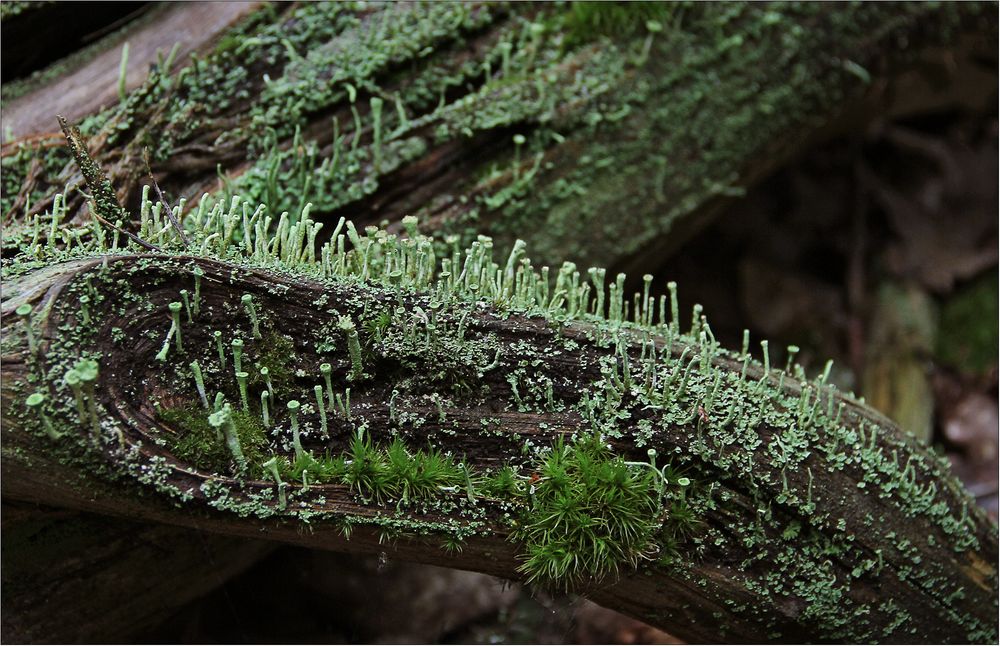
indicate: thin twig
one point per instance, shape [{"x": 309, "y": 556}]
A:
[
  {"x": 131, "y": 236},
  {"x": 163, "y": 200},
  {"x": 34, "y": 170}
]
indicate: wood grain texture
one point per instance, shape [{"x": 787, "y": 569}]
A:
[
  {"x": 93, "y": 85},
  {"x": 72, "y": 577}
]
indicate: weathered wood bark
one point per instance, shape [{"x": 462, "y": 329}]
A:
[
  {"x": 90, "y": 84},
  {"x": 836, "y": 547},
  {"x": 79, "y": 578},
  {"x": 649, "y": 132}
]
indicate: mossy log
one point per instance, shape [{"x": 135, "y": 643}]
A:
[
  {"x": 563, "y": 126},
  {"x": 791, "y": 512}
]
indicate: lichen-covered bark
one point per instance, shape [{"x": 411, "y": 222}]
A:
[
  {"x": 809, "y": 517},
  {"x": 814, "y": 517},
  {"x": 505, "y": 118}
]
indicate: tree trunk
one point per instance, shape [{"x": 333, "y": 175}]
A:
[{"x": 825, "y": 523}]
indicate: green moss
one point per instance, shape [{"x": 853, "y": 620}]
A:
[
  {"x": 586, "y": 21},
  {"x": 276, "y": 352},
  {"x": 195, "y": 442},
  {"x": 589, "y": 515},
  {"x": 368, "y": 471},
  {"x": 503, "y": 483},
  {"x": 422, "y": 475},
  {"x": 967, "y": 337}
]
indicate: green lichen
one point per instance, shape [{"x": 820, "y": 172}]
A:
[
  {"x": 601, "y": 139},
  {"x": 442, "y": 330},
  {"x": 32, "y": 167}
]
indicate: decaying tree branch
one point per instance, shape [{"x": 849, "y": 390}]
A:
[{"x": 86, "y": 84}]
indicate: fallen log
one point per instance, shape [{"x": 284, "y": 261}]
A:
[{"x": 449, "y": 409}]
